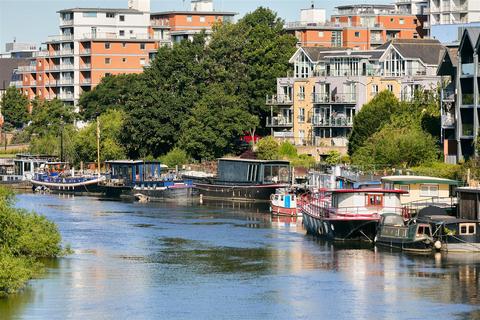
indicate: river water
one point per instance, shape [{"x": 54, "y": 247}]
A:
[{"x": 185, "y": 261}]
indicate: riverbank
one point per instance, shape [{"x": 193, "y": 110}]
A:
[{"x": 25, "y": 239}]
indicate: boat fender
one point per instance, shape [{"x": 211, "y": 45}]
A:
[{"x": 438, "y": 245}]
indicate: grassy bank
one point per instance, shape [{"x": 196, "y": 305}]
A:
[{"x": 25, "y": 238}]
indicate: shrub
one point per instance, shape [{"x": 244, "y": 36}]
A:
[
  {"x": 175, "y": 157},
  {"x": 267, "y": 148}
]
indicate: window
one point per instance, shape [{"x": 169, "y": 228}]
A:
[
  {"x": 357, "y": 34},
  {"x": 374, "y": 89},
  {"x": 374, "y": 200},
  {"x": 142, "y": 61},
  {"x": 401, "y": 21},
  {"x": 390, "y": 87},
  {"x": 202, "y": 18},
  {"x": 124, "y": 59},
  {"x": 429, "y": 190},
  {"x": 189, "y": 18},
  {"x": 415, "y": 21},
  {"x": 124, "y": 44},
  {"x": 110, "y": 15},
  {"x": 131, "y": 32},
  {"x": 301, "y": 115},
  {"x": 467, "y": 228},
  {"x": 301, "y": 94},
  {"x": 107, "y": 60},
  {"x": 107, "y": 45},
  {"x": 122, "y": 18},
  {"x": 89, "y": 14},
  {"x": 142, "y": 46},
  {"x": 391, "y": 19},
  {"x": 121, "y": 33},
  {"x": 321, "y": 34},
  {"x": 108, "y": 74}
]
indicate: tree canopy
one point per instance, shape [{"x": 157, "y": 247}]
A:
[{"x": 14, "y": 106}]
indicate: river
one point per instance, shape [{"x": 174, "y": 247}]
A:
[{"x": 186, "y": 261}]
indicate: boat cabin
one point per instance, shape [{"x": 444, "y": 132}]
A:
[
  {"x": 468, "y": 203},
  {"x": 393, "y": 225},
  {"x": 22, "y": 167},
  {"x": 247, "y": 171},
  {"x": 132, "y": 172},
  {"x": 421, "y": 188},
  {"x": 360, "y": 201}
]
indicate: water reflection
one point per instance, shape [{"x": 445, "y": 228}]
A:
[{"x": 145, "y": 261}]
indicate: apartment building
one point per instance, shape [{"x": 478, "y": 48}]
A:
[
  {"x": 174, "y": 26},
  {"x": 361, "y": 27},
  {"x": 315, "y": 107},
  {"x": 416, "y": 7},
  {"x": 460, "y": 98},
  {"x": 453, "y": 11},
  {"x": 95, "y": 42}
]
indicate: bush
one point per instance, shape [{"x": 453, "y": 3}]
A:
[
  {"x": 24, "y": 238},
  {"x": 440, "y": 170},
  {"x": 175, "y": 157},
  {"x": 287, "y": 150},
  {"x": 267, "y": 148}
]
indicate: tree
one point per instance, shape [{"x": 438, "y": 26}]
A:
[
  {"x": 215, "y": 125},
  {"x": 333, "y": 158},
  {"x": 111, "y": 93},
  {"x": 111, "y": 126},
  {"x": 267, "y": 148},
  {"x": 14, "y": 106},
  {"x": 175, "y": 157},
  {"x": 287, "y": 150},
  {"x": 49, "y": 117},
  {"x": 371, "y": 118},
  {"x": 406, "y": 147}
]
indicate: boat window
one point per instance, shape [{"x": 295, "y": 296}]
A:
[
  {"x": 423, "y": 230},
  {"x": 467, "y": 228},
  {"x": 405, "y": 188},
  {"x": 281, "y": 198},
  {"x": 374, "y": 200},
  {"x": 429, "y": 190}
]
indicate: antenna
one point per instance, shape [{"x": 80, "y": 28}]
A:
[{"x": 313, "y": 4}]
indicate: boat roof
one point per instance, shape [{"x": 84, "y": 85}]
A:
[
  {"x": 256, "y": 160},
  {"x": 131, "y": 162},
  {"x": 468, "y": 189},
  {"x": 440, "y": 218},
  {"x": 405, "y": 179},
  {"x": 367, "y": 191}
]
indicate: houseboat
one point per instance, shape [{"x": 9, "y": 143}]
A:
[
  {"x": 285, "y": 202},
  {"x": 406, "y": 235},
  {"x": 58, "y": 177},
  {"x": 20, "y": 170},
  {"x": 143, "y": 180},
  {"x": 349, "y": 214},
  {"x": 245, "y": 180}
]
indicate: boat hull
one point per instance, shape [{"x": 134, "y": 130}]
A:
[
  {"x": 161, "y": 194},
  {"x": 340, "y": 230},
  {"x": 259, "y": 193},
  {"x": 420, "y": 246},
  {"x": 282, "y": 211},
  {"x": 81, "y": 187}
]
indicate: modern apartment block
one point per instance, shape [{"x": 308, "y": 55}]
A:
[
  {"x": 174, "y": 26},
  {"x": 416, "y": 7},
  {"x": 460, "y": 98},
  {"x": 362, "y": 27},
  {"x": 95, "y": 42},
  {"x": 315, "y": 107},
  {"x": 453, "y": 11}
]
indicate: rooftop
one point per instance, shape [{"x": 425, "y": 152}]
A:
[
  {"x": 403, "y": 180},
  {"x": 206, "y": 13},
  {"x": 109, "y": 10}
]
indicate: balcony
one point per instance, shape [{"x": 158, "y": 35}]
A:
[
  {"x": 283, "y": 134},
  {"x": 280, "y": 99},
  {"x": 65, "y": 96},
  {"x": 53, "y": 68},
  {"x": 280, "y": 121},
  {"x": 66, "y": 23},
  {"x": 85, "y": 66},
  {"x": 85, "y": 51},
  {"x": 327, "y": 98},
  {"x": 40, "y": 54},
  {"x": 60, "y": 38},
  {"x": 160, "y": 23},
  {"x": 65, "y": 82},
  {"x": 86, "y": 81},
  {"x": 115, "y": 36},
  {"x": 467, "y": 99},
  {"x": 448, "y": 121},
  {"x": 17, "y": 84},
  {"x": 26, "y": 69},
  {"x": 67, "y": 66},
  {"x": 338, "y": 122},
  {"x": 468, "y": 69},
  {"x": 61, "y": 53}
]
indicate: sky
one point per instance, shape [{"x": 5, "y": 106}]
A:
[{"x": 32, "y": 21}]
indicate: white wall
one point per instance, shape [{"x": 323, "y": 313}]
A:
[{"x": 312, "y": 15}]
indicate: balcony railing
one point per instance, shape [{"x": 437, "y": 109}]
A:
[
  {"x": 66, "y": 22},
  {"x": 65, "y": 96},
  {"x": 302, "y": 24},
  {"x": 67, "y": 66},
  {"x": 279, "y": 100},
  {"x": 115, "y": 36},
  {"x": 467, "y": 99},
  {"x": 61, "y": 53},
  {"x": 68, "y": 37},
  {"x": 27, "y": 68},
  {"x": 65, "y": 82},
  {"x": 334, "y": 98},
  {"x": 448, "y": 121},
  {"x": 280, "y": 121},
  {"x": 87, "y": 81},
  {"x": 332, "y": 121},
  {"x": 85, "y": 51},
  {"x": 345, "y": 72},
  {"x": 160, "y": 23},
  {"x": 17, "y": 83},
  {"x": 468, "y": 69},
  {"x": 85, "y": 66}
]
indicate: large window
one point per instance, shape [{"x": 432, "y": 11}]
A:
[
  {"x": 429, "y": 190},
  {"x": 393, "y": 65},
  {"x": 374, "y": 200},
  {"x": 467, "y": 228},
  {"x": 89, "y": 14},
  {"x": 303, "y": 66}
]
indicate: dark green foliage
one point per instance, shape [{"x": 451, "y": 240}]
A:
[
  {"x": 440, "y": 169},
  {"x": 111, "y": 93},
  {"x": 175, "y": 157},
  {"x": 49, "y": 117},
  {"x": 24, "y": 238},
  {"x": 371, "y": 118},
  {"x": 14, "y": 107},
  {"x": 267, "y": 148}
]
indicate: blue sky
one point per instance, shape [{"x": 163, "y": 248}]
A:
[{"x": 34, "y": 20}]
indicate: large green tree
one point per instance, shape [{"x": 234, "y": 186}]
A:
[
  {"x": 215, "y": 125},
  {"x": 371, "y": 118},
  {"x": 111, "y": 93},
  {"x": 14, "y": 106}
]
